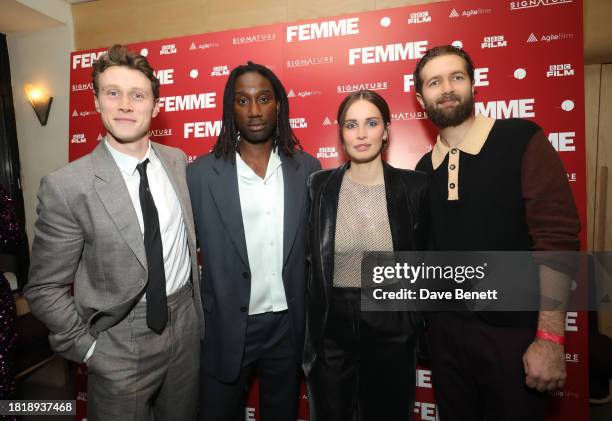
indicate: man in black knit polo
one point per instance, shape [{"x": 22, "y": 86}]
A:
[{"x": 495, "y": 185}]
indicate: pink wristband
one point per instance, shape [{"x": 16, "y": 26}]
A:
[{"x": 558, "y": 339}]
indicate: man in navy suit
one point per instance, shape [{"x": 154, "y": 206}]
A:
[{"x": 249, "y": 201}]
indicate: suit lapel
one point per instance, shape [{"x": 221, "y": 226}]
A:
[
  {"x": 176, "y": 175},
  {"x": 114, "y": 195},
  {"x": 224, "y": 190},
  {"x": 397, "y": 208},
  {"x": 328, "y": 212},
  {"x": 294, "y": 186}
]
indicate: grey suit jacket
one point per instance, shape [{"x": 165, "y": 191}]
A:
[
  {"x": 87, "y": 232},
  {"x": 226, "y": 284}
]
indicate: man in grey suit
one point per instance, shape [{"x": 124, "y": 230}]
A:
[
  {"x": 118, "y": 222},
  {"x": 249, "y": 200}
]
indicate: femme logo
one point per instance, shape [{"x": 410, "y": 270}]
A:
[
  {"x": 188, "y": 102},
  {"x": 387, "y": 53},
  {"x": 327, "y": 29}
]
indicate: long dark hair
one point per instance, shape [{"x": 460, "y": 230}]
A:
[{"x": 285, "y": 140}]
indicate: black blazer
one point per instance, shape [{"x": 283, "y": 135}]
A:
[
  {"x": 407, "y": 204},
  {"x": 226, "y": 283}
]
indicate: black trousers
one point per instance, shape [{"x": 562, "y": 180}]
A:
[
  {"x": 270, "y": 351},
  {"x": 477, "y": 370},
  {"x": 367, "y": 365}
]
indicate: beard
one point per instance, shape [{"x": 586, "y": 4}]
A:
[{"x": 443, "y": 118}]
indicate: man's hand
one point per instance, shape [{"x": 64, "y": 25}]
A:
[{"x": 544, "y": 363}]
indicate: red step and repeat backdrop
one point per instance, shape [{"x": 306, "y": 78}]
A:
[{"x": 529, "y": 60}]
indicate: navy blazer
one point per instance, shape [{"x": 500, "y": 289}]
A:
[{"x": 226, "y": 286}]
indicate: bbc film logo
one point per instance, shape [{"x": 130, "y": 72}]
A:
[
  {"x": 560, "y": 70},
  {"x": 78, "y": 138},
  {"x": 419, "y": 17},
  {"x": 218, "y": 71},
  {"x": 495, "y": 41},
  {"x": 327, "y": 152},
  {"x": 298, "y": 123},
  {"x": 168, "y": 49}
]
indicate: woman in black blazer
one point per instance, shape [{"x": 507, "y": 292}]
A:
[{"x": 360, "y": 363}]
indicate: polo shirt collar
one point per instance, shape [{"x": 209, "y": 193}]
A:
[{"x": 472, "y": 143}]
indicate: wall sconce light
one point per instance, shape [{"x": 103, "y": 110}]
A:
[{"x": 41, "y": 102}]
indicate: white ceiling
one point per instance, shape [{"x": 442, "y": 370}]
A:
[{"x": 15, "y": 17}]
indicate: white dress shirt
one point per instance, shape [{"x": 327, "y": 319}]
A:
[
  {"x": 177, "y": 265},
  {"x": 262, "y": 204}
]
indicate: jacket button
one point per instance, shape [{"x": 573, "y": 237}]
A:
[
  {"x": 243, "y": 309},
  {"x": 246, "y": 275}
]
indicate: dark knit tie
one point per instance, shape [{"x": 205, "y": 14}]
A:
[{"x": 157, "y": 305}]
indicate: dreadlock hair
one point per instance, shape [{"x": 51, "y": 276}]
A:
[{"x": 286, "y": 141}]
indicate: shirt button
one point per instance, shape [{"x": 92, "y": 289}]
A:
[
  {"x": 452, "y": 167},
  {"x": 451, "y": 185},
  {"x": 454, "y": 150},
  {"x": 243, "y": 309},
  {"x": 246, "y": 275}
]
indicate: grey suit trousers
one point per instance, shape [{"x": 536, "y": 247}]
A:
[{"x": 137, "y": 375}]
